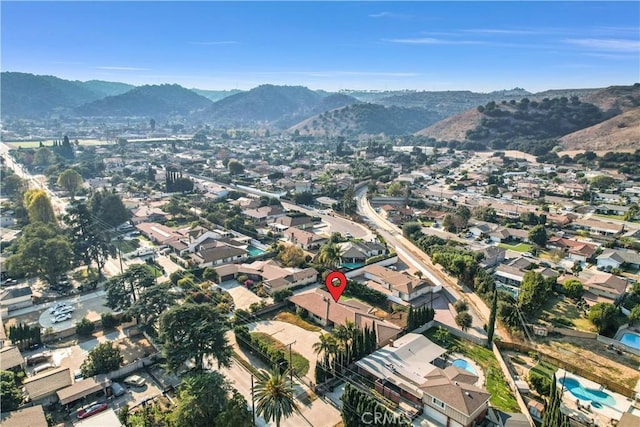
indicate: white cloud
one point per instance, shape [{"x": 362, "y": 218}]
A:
[{"x": 607, "y": 45}]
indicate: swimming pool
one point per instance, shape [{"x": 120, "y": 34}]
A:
[
  {"x": 588, "y": 394},
  {"x": 631, "y": 339},
  {"x": 461, "y": 363},
  {"x": 352, "y": 265},
  {"x": 253, "y": 251}
]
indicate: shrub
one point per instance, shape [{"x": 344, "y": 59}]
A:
[
  {"x": 281, "y": 295},
  {"x": 85, "y": 327},
  {"x": 303, "y": 313},
  {"x": 108, "y": 320},
  {"x": 542, "y": 385},
  {"x": 461, "y": 305}
]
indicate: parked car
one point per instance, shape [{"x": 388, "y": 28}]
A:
[
  {"x": 61, "y": 317},
  {"x": 117, "y": 389},
  {"x": 527, "y": 255},
  {"x": 58, "y": 306},
  {"x": 43, "y": 367},
  {"x": 63, "y": 310},
  {"x": 91, "y": 410},
  {"x": 77, "y": 375},
  {"x": 134, "y": 380},
  {"x": 34, "y": 359}
]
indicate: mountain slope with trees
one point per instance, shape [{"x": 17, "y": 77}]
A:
[
  {"x": 366, "y": 118},
  {"x": 148, "y": 100}
]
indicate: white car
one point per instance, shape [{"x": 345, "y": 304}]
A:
[
  {"x": 62, "y": 317},
  {"x": 134, "y": 380},
  {"x": 64, "y": 310},
  {"x": 58, "y": 306}
]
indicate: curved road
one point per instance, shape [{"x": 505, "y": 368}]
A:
[{"x": 418, "y": 259}]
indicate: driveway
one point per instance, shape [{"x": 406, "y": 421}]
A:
[
  {"x": 286, "y": 333},
  {"x": 242, "y": 297}
]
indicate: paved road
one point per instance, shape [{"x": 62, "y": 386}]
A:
[
  {"x": 413, "y": 256},
  {"x": 334, "y": 222}
]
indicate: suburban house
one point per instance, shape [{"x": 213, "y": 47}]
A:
[
  {"x": 27, "y": 417},
  {"x": 404, "y": 372},
  {"x": 148, "y": 214},
  {"x": 264, "y": 214},
  {"x": 598, "y": 227},
  {"x": 359, "y": 252},
  {"x": 492, "y": 255},
  {"x": 273, "y": 276},
  {"x": 301, "y": 221},
  {"x": 503, "y": 234},
  {"x": 16, "y": 298},
  {"x": 113, "y": 164},
  {"x": 616, "y": 258},
  {"x": 6, "y": 219},
  {"x": 304, "y": 239},
  {"x": 42, "y": 388},
  {"x": 324, "y": 310},
  {"x": 607, "y": 209},
  {"x": 606, "y": 285},
  {"x": 11, "y": 359},
  {"x": 576, "y": 250},
  {"x": 157, "y": 233},
  {"x": 399, "y": 287},
  {"x": 217, "y": 253},
  {"x": 509, "y": 276},
  {"x": 84, "y": 388},
  {"x": 189, "y": 239},
  {"x": 481, "y": 229}
]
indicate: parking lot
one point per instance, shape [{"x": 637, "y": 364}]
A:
[{"x": 90, "y": 306}]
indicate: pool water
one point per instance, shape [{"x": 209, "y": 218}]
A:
[
  {"x": 631, "y": 339},
  {"x": 461, "y": 363},
  {"x": 253, "y": 251},
  {"x": 589, "y": 394},
  {"x": 353, "y": 265}
]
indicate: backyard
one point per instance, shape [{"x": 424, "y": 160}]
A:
[
  {"x": 562, "y": 312},
  {"x": 294, "y": 319},
  {"x": 298, "y": 362},
  {"x": 520, "y": 247},
  {"x": 502, "y": 397}
]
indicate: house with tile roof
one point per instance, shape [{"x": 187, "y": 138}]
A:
[
  {"x": 405, "y": 372},
  {"x": 606, "y": 285},
  {"x": 303, "y": 238},
  {"x": 617, "y": 258},
  {"x": 273, "y": 276},
  {"x": 324, "y": 310},
  {"x": 42, "y": 388},
  {"x": 398, "y": 286},
  {"x": 354, "y": 252}
]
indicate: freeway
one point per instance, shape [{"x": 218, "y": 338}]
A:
[{"x": 415, "y": 257}]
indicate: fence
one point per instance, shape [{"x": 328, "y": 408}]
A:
[
  {"x": 453, "y": 331},
  {"x": 385, "y": 262},
  {"x": 608, "y": 383},
  {"x": 512, "y": 384},
  {"x": 134, "y": 366}
]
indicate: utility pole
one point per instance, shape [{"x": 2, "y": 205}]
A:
[
  {"x": 290, "y": 363},
  {"x": 253, "y": 404}
]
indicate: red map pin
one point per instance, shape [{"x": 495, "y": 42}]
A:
[{"x": 336, "y": 283}]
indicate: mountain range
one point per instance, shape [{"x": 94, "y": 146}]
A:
[{"x": 439, "y": 115}]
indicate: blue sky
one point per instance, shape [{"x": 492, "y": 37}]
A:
[{"x": 480, "y": 46}]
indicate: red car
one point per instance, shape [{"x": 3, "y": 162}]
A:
[{"x": 91, "y": 410}]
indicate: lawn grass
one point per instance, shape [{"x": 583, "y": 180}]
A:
[
  {"x": 294, "y": 319},
  {"x": 618, "y": 217},
  {"x": 545, "y": 369},
  {"x": 502, "y": 397},
  {"x": 299, "y": 363},
  {"x": 520, "y": 247},
  {"x": 563, "y": 309},
  {"x": 127, "y": 246}
]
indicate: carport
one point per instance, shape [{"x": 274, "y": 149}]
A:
[{"x": 83, "y": 389}]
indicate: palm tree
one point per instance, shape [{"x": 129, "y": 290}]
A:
[
  {"x": 274, "y": 396},
  {"x": 327, "y": 346},
  {"x": 330, "y": 255}
]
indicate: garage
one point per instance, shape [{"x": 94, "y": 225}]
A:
[{"x": 438, "y": 417}]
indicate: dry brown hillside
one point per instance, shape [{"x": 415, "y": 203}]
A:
[
  {"x": 617, "y": 133},
  {"x": 454, "y": 127},
  {"x": 615, "y": 98}
]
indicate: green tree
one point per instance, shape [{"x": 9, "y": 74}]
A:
[
  {"x": 396, "y": 189},
  {"x": 89, "y": 242},
  {"x": 236, "y": 413},
  {"x": 85, "y": 327},
  {"x": 12, "y": 184},
  {"x": 349, "y": 204},
  {"x": 38, "y": 206},
  {"x": 108, "y": 208},
  {"x": 602, "y": 182},
  {"x": 202, "y": 398},
  {"x": 123, "y": 289},
  {"x": 153, "y": 301},
  {"x": 210, "y": 274},
  {"x": 43, "y": 157},
  {"x": 292, "y": 256},
  {"x": 492, "y": 319},
  {"x": 538, "y": 235},
  {"x": 464, "y": 320},
  {"x": 194, "y": 331},
  {"x": 71, "y": 181},
  {"x": 411, "y": 228},
  {"x": 573, "y": 288},
  {"x": 533, "y": 292},
  {"x": 603, "y": 315},
  {"x": 42, "y": 251},
  {"x": 101, "y": 360},
  {"x": 634, "y": 315},
  {"x": 330, "y": 255},
  {"x": 274, "y": 397},
  {"x": 235, "y": 167},
  {"x": 10, "y": 392},
  {"x": 461, "y": 305}
]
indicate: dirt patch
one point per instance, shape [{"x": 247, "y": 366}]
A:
[{"x": 602, "y": 362}]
